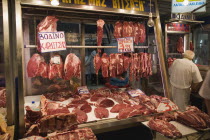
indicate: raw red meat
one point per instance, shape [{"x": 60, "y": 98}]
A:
[
  {"x": 127, "y": 29},
  {"x": 118, "y": 107},
  {"x": 166, "y": 117},
  {"x": 164, "y": 128},
  {"x": 149, "y": 72},
  {"x": 81, "y": 115},
  {"x": 2, "y": 97},
  {"x": 33, "y": 130},
  {"x": 59, "y": 95},
  {"x": 130, "y": 30},
  {"x": 124, "y": 113},
  {"x": 100, "y": 25},
  {"x": 136, "y": 32},
  {"x": 119, "y": 61},
  {"x": 136, "y": 65},
  {"x": 180, "y": 45},
  {"x": 37, "y": 66},
  {"x": 104, "y": 102},
  {"x": 49, "y": 24},
  {"x": 126, "y": 62},
  {"x": 131, "y": 72},
  {"x": 118, "y": 29},
  {"x": 101, "y": 112},
  {"x": 34, "y": 138},
  {"x": 95, "y": 97},
  {"x": 85, "y": 107},
  {"x": 105, "y": 65},
  {"x": 142, "y": 33},
  {"x": 56, "y": 67},
  {"x": 113, "y": 65},
  {"x": 32, "y": 116},
  {"x": 97, "y": 62},
  {"x": 72, "y": 66}
]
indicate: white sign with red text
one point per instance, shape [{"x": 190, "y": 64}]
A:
[
  {"x": 125, "y": 44},
  {"x": 52, "y": 41},
  {"x": 83, "y": 90},
  {"x": 166, "y": 105},
  {"x": 136, "y": 93}
]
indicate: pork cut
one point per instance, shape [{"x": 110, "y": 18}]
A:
[
  {"x": 85, "y": 107},
  {"x": 180, "y": 45},
  {"x": 118, "y": 29},
  {"x": 105, "y": 65},
  {"x": 101, "y": 112},
  {"x": 165, "y": 128},
  {"x": 118, "y": 107},
  {"x": 113, "y": 65},
  {"x": 37, "y": 66},
  {"x": 56, "y": 67},
  {"x": 100, "y": 31},
  {"x": 72, "y": 66},
  {"x": 59, "y": 95},
  {"x": 81, "y": 115},
  {"x": 119, "y": 61},
  {"x": 97, "y": 62},
  {"x": 104, "y": 102},
  {"x": 49, "y": 24},
  {"x": 77, "y": 134},
  {"x": 2, "y": 97},
  {"x": 142, "y": 36}
]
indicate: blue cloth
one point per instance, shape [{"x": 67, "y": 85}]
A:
[{"x": 118, "y": 82}]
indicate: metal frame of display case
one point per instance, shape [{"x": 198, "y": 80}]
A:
[{"x": 18, "y": 44}]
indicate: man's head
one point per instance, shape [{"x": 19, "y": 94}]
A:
[{"x": 188, "y": 54}]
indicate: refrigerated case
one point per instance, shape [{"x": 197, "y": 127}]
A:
[{"x": 78, "y": 21}]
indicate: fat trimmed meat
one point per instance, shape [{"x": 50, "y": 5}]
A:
[
  {"x": 118, "y": 107},
  {"x": 105, "y": 65},
  {"x": 97, "y": 63},
  {"x": 101, "y": 112},
  {"x": 118, "y": 29},
  {"x": 104, "y": 102},
  {"x": 81, "y": 115},
  {"x": 113, "y": 65},
  {"x": 85, "y": 107}
]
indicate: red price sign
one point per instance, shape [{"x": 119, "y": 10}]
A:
[{"x": 125, "y": 44}]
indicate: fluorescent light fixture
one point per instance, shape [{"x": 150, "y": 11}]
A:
[{"x": 55, "y": 2}]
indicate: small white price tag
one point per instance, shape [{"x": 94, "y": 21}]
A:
[
  {"x": 83, "y": 90},
  {"x": 56, "y": 60},
  {"x": 136, "y": 93},
  {"x": 166, "y": 105}
]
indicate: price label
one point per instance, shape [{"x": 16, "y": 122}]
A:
[
  {"x": 136, "y": 93},
  {"x": 56, "y": 60},
  {"x": 125, "y": 44},
  {"x": 166, "y": 105},
  {"x": 83, "y": 90}
]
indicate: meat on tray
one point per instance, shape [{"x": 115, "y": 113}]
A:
[
  {"x": 101, "y": 112},
  {"x": 118, "y": 29},
  {"x": 100, "y": 31},
  {"x": 2, "y": 97},
  {"x": 97, "y": 63},
  {"x": 72, "y": 66},
  {"x": 59, "y": 95},
  {"x": 85, "y": 107},
  {"x": 78, "y": 134},
  {"x": 81, "y": 115},
  {"x": 37, "y": 66},
  {"x": 104, "y": 102},
  {"x": 105, "y": 65},
  {"x": 165, "y": 128},
  {"x": 56, "y": 67},
  {"x": 180, "y": 45},
  {"x": 95, "y": 97},
  {"x": 116, "y": 108},
  {"x": 124, "y": 113}
]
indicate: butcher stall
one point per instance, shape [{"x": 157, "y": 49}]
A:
[{"x": 69, "y": 53}]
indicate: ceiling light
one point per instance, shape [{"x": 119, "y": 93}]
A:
[
  {"x": 150, "y": 22},
  {"x": 55, "y": 2}
]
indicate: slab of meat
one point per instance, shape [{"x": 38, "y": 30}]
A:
[
  {"x": 104, "y": 102},
  {"x": 32, "y": 116},
  {"x": 165, "y": 128},
  {"x": 2, "y": 97},
  {"x": 78, "y": 134},
  {"x": 59, "y": 123},
  {"x": 72, "y": 66},
  {"x": 136, "y": 65},
  {"x": 59, "y": 95},
  {"x": 95, "y": 97},
  {"x": 37, "y": 66},
  {"x": 105, "y": 65},
  {"x": 118, "y": 107},
  {"x": 113, "y": 65},
  {"x": 126, "y": 62},
  {"x": 34, "y": 138},
  {"x": 127, "y": 29},
  {"x": 142, "y": 36},
  {"x": 166, "y": 117},
  {"x": 33, "y": 131},
  {"x": 76, "y": 102},
  {"x": 136, "y": 32},
  {"x": 97, "y": 62},
  {"x": 101, "y": 112},
  {"x": 119, "y": 60},
  {"x": 56, "y": 67},
  {"x": 100, "y": 31},
  {"x": 149, "y": 63},
  {"x": 180, "y": 45},
  {"x": 124, "y": 113},
  {"x": 131, "y": 72},
  {"x": 85, "y": 107},
  {"x": 81, "y": 115},
  {"x": 118, "y": 29},
  {"x": 49, "y": 24}
]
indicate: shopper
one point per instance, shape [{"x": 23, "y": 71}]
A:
[
  {"x": 205, "y": 91},
  {"x": 183, "y": 73}
]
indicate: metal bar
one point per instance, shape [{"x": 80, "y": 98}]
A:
[
  {"x": 161, "y": 54},
  {"x": 83, "y": 54},
  {"x": 8, "y": 64},
  {"x": 177, "y": 32}
]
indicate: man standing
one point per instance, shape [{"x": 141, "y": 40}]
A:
[{"x": 183, "y": 73}]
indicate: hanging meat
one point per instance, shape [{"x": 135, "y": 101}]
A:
[
  {"x": 105, "y": 65},
  {"x": 136, "y": 33},
  {"x": 72, "y": 67},
  {"x": 180, "y": 45},
  {"x": 113, "y": 65},
  {"x": 49, "y": 24},
  {"x": 136, "y": 65},
  {"x": 142, "y": 33},
  {"x": 97, "y": 62},
  {"x": 2, "y": 97},
  {"x": 100, "y": 25},
  {"x": 127, "y": 29},
  {"x": 37, "y": 66},
  {"x": 118, "y": 29},
  {"x": 126, "y": 62},
  {"x": 56, "y": 67},
  {"x": 119, "y": 61},
  {"x": 131, "y": 69},
  {"x": 149, "y": 64}
]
